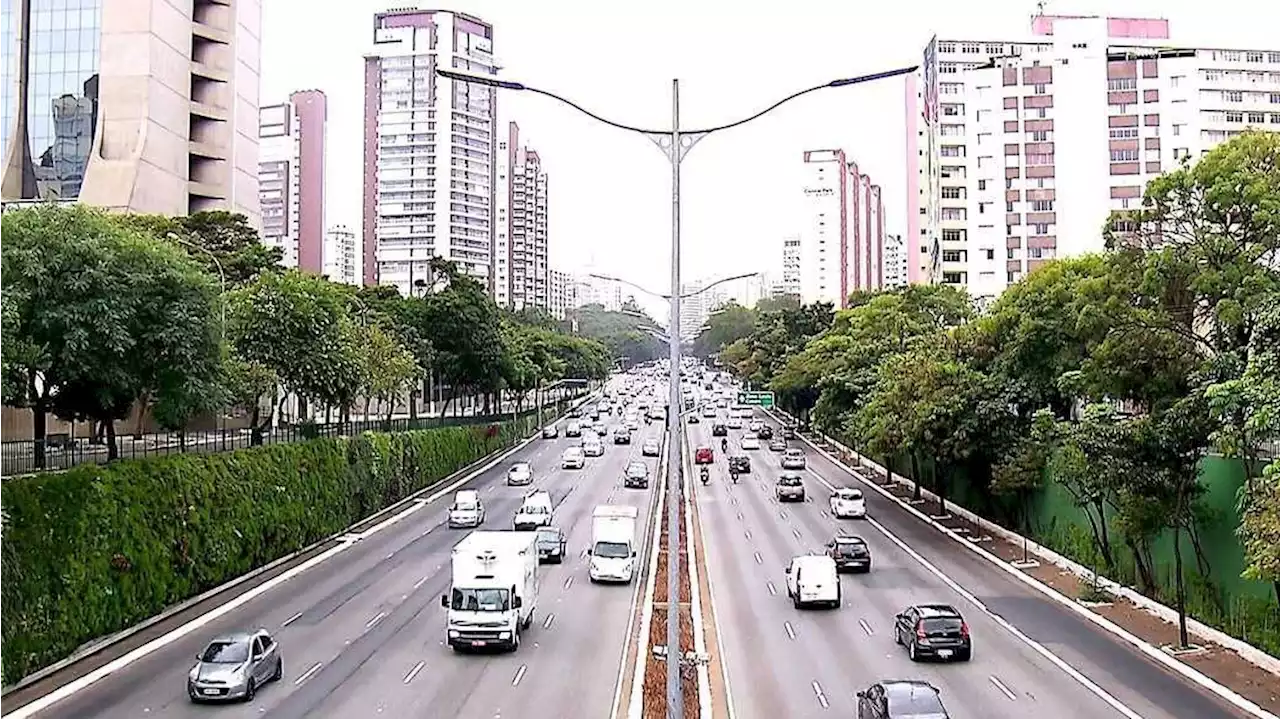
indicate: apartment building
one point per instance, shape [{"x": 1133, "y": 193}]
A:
[
  {"x": 894, "y": 271},
  {"x": 561, "y": 292},
  {"x": 842, "y": 240},
  {"x": 341, "y": 255},
  {"x": 291, "y": 178},
  {"x": 788, "y": 282},
  {"x": 429, "y": 147},
  {"x": 166, "y": 126},
  {"x": 520, "y": 270},
  {"x": 1025, "y": 171},
  {"x": 698, "y": 299}
]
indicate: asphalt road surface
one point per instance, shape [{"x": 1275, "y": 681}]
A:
[
  {"x": 362, "y": 634},
  {"x": 810, "y": 663}
]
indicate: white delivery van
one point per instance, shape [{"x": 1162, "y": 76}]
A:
[
  {"x": 467, "y": 509},
  {"x": 812, "y": 580},
  {"x": 494, "y": 590},
  {"x": 534, "y": 512},
  {"x": 613, "y": 544}
]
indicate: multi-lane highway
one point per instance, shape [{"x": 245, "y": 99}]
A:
[
  {"x": 800, "y": 663},
  {"x": 362, "y": 634}
]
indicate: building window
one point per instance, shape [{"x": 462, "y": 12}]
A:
[
  {"x": 1040, "y": 229},
  {"x": 1042, "y": 206},
  {"x": 1124, "y": 155},
  {"x": 1232, "y": 96},
  {"x": 952, "y": 278},
  {"x": 1040, "y": 136},
  {"x": 952, "y": 193},
  {"x": 946, "y": 47},
  {"x": 990, "y": 253},
  {"x": 1257, "y": 118},
  {"x": 1123, "y": 83},
  {"x": 953, "y": 256},
  {"x": 1253, "y": 57},
  {"x": 982, "y": 184},
  {"x": 1235, "y": 117},
  {"x": 970, "y": 48},
  {"x": 953, "y": 235}
]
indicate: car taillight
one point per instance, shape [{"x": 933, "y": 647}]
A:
[
  {"x": 920, "y": 633},
  {"x": 964, "y": 630}
]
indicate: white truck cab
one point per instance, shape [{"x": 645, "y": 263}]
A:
[
  {"x": 494, "y": 590},
  {"x": 535, "y": 512},
  {"x": 467, "y": 509},
  {"x": 613, "y": 544},
  {"x": 812, "y": 580}
]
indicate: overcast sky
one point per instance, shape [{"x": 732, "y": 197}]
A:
[{"x": 610, "y": 190}]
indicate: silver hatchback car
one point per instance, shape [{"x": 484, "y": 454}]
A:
[{"x": 234, "y": 666}]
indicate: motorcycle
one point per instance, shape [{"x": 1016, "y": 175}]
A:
[
  {"x": 724, "y": 445},
  {"x": 706, "y": 475},
  {"x": 733, "y": 474}
]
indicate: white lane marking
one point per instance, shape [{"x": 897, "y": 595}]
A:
[
  {"x": 547, "y": 623},
  {"x": 759, "y": 559},
  {"x": 390, "y": 555},
  {"x": 377, "y": 618},
  {"x": 791, "y": 632},
  {"x": 782, "y": 513},
  {"x": 739, "y": 515},
  {"x": 291, "y": 620},
  {"x": 419, "y": 582},
  {"x": 796, "y": 532},
  {"x": 822, "y": 698},
  {"x": 865, "y": 627},
  {"x": 307, "y": 674},
  {"x": 568, "y": 582},
  {"x": 414, "y": 672},
  {"x": 1000, "y": 685},
  {"x": 772, "y": 589},
  {"x": 1035, "y": 646},
  {"x": 746, "y": 533},
  {"x": 519, "y": 675}
]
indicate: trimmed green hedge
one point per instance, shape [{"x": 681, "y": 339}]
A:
[{"x": 96, "y": 549}]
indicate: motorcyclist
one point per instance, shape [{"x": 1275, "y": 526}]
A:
[
  {"x": 724, "y": 444},
  {"x": 733, "y": 474},
  {"x": 705, "y": 474}
]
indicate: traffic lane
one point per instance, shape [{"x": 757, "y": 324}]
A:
[
  {"x": 1005, "y": 678},
  {"x": 1145, "y": 687},
  {"x": 773, "y": 668},
  {"x": 348, "y": 584},
  {"x": 412, "y": 672},
  {"x": 813, "y": 657}
]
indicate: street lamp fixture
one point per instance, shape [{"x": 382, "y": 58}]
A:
[
  {"x": 684, "y": 295},
  {"x": 675, "y": 143}
]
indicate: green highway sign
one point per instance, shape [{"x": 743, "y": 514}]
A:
[{"x": 760, "y": 399}]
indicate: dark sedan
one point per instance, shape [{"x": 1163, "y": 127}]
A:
[
  {"x": 851, "y": 553},
  {"x": 933, "y": 631},
  {"x": 551, "y": 545}
]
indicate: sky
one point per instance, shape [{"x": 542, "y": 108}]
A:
[{"x": 609, "y": 190}]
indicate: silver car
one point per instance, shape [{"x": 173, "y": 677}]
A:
[
  {"x": 790, "y": 487},
  {"x": 234, "y": 666},
  {"x": 520, "y": 475},
  {"x": 793, "y": 459}
]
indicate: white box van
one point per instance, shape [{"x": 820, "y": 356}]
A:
[
  {"x": 613, "y": 544},
  {"x": 812, "y": 580},
  {"x": 535, "y": 512},
  {"x": 494, "y": 590},
  {"x": 467, "y": 509}
]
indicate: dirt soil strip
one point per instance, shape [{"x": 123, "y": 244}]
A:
[
  {"x": 655, "y": 679},
  {"x": 1217, "y": 662},
  {"x": 635, "y": 644},
  {"x": 715, "y": 669}
]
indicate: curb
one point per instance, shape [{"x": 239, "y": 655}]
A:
[
  {"x": 1146, "y": 648},
  {"x": 347, "y": 535},
  {"x": 695, "y": 590},
  {"x": 635, "y": 702}
]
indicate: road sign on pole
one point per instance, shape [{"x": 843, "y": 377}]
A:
[{"x": 758, "y": 399}]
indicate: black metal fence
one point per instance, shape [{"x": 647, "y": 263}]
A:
[{"x": 19, "y": 457}]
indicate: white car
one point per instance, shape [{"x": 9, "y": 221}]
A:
[
  {"x": 755, "y": 425},
  {"x": 812, "y": 579},
  {"x": 573, "y": 458},
  {"x": 520, "y": 475},
  {"x": 534, "y": 513},
  {"x": 592, "y": 447},
  {"x": 467, "y": 509},
  {"x": 848, "y": 504},
  {"x": 551, "y": 431},
  {"x": 651, "y": 447},
  {"x": 735, "y": 422},
  {"x": 750, "y": 441}
]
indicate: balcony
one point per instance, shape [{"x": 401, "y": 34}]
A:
[
  {"x": 210, "y": 33},
  {"x": 209, "y": 112},
  {"x": 207, "y": 190},
  {"x": 210, "y": 150},
  {"x": 209, "y": 72}
]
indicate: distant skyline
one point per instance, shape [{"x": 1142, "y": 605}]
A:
[{"x": 609, "y": 204}]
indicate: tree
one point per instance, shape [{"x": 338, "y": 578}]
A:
[
  {"x": 725, "y": 326},
  {"x": 463, "y": 325},
  {"x": 104, "y": 316},
  {"x": 226, "y": 236},
  {"x": 387, "y": 368},
  {"x": 296, "y": 327},
  {"x": 624, "y": 335}
]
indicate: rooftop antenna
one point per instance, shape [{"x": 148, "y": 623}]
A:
[{"x": 1040, "y": 5}]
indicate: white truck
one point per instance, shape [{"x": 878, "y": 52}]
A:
[
  {"x": 494, "y": 590},
  {"x": 613, "y": 544}
]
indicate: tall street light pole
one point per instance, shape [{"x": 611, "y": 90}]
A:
[{"x": 675, "y": 144}]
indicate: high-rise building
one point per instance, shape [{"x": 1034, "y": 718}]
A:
[
  {"x": 789, "y": 282},
  {"x": 341, "y": 258},
  {"x": 895, "y": 262},
  {"x": 697, "y": 301},
  {"x": 520, "y": 234},
  {"x": 843, "y": 238},
  {"x": 561, "y": 293},
  {"x": 429, "y": 147},
  {"x": 167, "y": 126},
  {"x": 1026, "y": 147},
  {"x": 291, "y": 178}
]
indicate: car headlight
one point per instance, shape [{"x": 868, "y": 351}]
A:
[
  {"x": 194, "y": 674},
  {"x": 504, "y": 635},
  {"x": 453, "y": 633}
]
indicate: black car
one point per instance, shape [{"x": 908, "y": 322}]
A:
[
  {"x": 740, "y": 464},
  {"x": 934, "y": 631},
  {"x": 719, "y": 430},
  {"x": 901, "y": 699},
  {"x": 693, "y": 418},
  {"x": 551, "y": 545},
  {"x": 766, "y": 432},
  {"x": 636, "y": 476},
  {"x": 789, "y": 433},
  {"x": 851, "y": 553}
]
